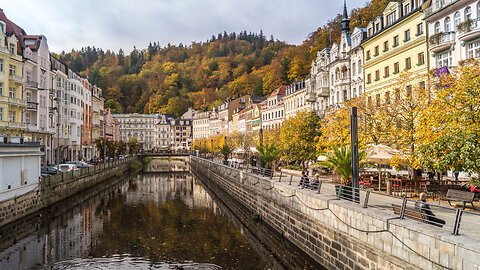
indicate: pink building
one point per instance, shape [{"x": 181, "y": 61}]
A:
[{"x": 112, "y": 128}]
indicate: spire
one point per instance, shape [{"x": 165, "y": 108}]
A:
[{"x": 345, "y": 19}]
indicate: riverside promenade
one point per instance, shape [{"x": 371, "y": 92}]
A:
[{"x": 341, "y": 234}]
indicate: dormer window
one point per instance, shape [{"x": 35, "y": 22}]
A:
[
  {"x": 3, "y": 26},
  {"x": 12, "y": 48},
  {"x": 407, "y": 9},
  {"x": 391, "y": 18}
]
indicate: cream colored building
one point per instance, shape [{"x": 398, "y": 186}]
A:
[
  {"x": 140, "y": 126},
  {"x": 273, "y": 110},
  {"x": 201, "y": 125},
  {"x": 295, "y": 99},
  {"x": 396, "y": 42}
]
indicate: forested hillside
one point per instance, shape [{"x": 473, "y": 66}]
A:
[{"x": 170, "y": 79}]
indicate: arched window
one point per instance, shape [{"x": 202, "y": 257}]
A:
[
  {"x": 468, "y": 13},
  {"x": 353, "y": 69},
  {"x": 478, "y": 11},
  {"x": 456, "y": 20},
  {"x": 359, "y": 66},
  {"x": 344, "y": 72},
  {"x": 448, "y": 25},
  {"x": 437, "y": 27}
]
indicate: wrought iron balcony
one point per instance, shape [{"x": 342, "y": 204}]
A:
[
  {"x": 441, "y": 41},
  {"x": 32, "y": 106},
  {"x": 31, "y": 85},
  {"x": 468, "y": 30}
]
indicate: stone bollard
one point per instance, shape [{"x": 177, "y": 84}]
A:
[{"x": 389, "y": 187}]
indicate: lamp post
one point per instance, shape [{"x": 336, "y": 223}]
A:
[
  {"x": 212, "y": 147},
  {"x": 354, "y": 152}
]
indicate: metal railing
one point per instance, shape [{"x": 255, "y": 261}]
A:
[
  {"x": 61, "y": 178},
  {"x": 455, "y": 220}
]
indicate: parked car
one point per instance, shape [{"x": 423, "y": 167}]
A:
[
  {"x": 95, "y": 161},
  {"x": 50, "y": 170},
  {"x": 67, "y": 167},
  {"x": 80, "y": 164}
]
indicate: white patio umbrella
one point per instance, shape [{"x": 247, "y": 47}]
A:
[{"x": 381, "y": 154}]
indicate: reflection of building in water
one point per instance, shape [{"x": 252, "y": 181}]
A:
[
  {"x": 23, "y": 254},
  {"x": 165, "y": 187},
  {"x": 168, "y": 165}
]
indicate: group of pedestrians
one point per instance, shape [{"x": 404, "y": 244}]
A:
[{"x": 305, "y": 181}]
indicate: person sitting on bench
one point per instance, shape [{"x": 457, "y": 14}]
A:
[
  {"x": 422, "y": 205},
  {"x": 316, "y": 181},
  {"x": 304, "y": 182}
]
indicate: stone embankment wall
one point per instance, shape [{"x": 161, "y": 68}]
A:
[
  {"x": 341, "y": 234},
  {"x": 55, "y": 189}
]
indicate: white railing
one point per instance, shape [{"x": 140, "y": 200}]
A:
[
  {"x": 437, "y": 5},
  {"x": 16, "y": 101}
]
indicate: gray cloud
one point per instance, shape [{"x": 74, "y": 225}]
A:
[{"x": 115, "y": 24}]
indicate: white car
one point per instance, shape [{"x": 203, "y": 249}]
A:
[
  {"x": 67, "y": 167},
  {"x": 79, "y": 164}
]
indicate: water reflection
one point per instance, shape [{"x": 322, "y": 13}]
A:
[{"x": 162, "y": 220}]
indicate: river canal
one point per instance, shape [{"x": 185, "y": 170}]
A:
[{"x": 161, "y": 219}]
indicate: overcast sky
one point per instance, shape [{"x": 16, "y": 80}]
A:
[{"x": 115, "y": 24}]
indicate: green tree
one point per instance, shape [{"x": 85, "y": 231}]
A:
[
  {"x": 269, "y": 153},
  {"x": 133, "y": 145},
  {"x": 225, "y": 150},
  {"x": 339, "y": 160}
]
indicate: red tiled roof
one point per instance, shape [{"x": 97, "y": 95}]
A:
[{"x": 279, "y": 91}]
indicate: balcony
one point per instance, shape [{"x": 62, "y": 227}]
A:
[
  {"x": 3, "y": 99},
  {"x": 311, "y": 97},
  {"x": 441, "y": 41},
  {"x": 323, "y": 91},
  {"x": 31, "y": 85},
  {"x": 468, "y": 30},
  {"x": 3, "y": 124},
  {"x": 32, "y": 106},
  {"x": 17, "y": 102},
  {"x": 17, "y": 125},
  {"x": 438, "y": 5},
  {"x": 16, "y": 79}
]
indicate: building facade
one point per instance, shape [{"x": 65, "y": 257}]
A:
[
  {"x": 139, "y": 126},
  {"x": 396, "y": 43},
  {"x": 201, "y": 125},
  {"x": 273, "y": 112},
  {"x": 180, "y": 134},
  {"x": 295, "y": 99},
  {"x": 454, "y": 31},
  {"x": 163, "y": 132}
]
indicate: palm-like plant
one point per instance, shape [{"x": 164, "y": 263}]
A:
[
  {"x": 339, "y": 160},
  {"x": 225, "y": 150},
  {"x": 269, "y": 153}
]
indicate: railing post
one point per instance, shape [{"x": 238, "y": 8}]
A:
[
  {"x": 402, "y": 210},
  {"x": 365, "y": 202},
  {"x": 271, "y": 174},
  {"x": 291, "y": 178},
  {"x": 339, "y": 191},
  {"x": 458, "y": 219},
  {"x": 280, "y": 178}
]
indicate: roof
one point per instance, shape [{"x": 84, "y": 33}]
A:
[
  {"x": 279, "y": 91},
  {"x": 257, "y": 100}
]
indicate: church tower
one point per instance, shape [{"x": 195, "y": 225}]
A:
[{"x": 345, "y": 19}]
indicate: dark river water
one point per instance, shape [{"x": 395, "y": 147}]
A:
[{"x": 161, "y": 219}]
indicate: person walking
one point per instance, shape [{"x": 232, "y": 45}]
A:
[{"x": 424, "y": 208}]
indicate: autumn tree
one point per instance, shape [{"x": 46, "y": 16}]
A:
[{"x": 133, "y": 145}]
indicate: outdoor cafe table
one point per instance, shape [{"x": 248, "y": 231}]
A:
[{"x": 400, "y": 185}]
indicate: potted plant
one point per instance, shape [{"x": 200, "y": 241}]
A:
[
  {"x": 435, "y": 38},
  {"x": 465, "y": 26}
]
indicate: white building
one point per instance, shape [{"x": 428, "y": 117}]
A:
[
  {"x": 214, "y": 123},
  {"x": 273, "y": 110},
  {"x": 19, "y": 168},
  {"x": 454, "y": 31},
  {"x": 356, "y": 62},
  {"x": 162, "y": 132},
  {"x": 180, "y": 134},
  {"x": 295, "y": 99},
  {"x": 76, "y": 100},
  {"x": 140, "y": 126},
  {"x": 201, "y": 125}
]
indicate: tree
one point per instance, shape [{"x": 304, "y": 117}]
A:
[
  {"x": 133, "y": 145},
  {"x": 451, "y": 123},
  {"x": 225, "y": 151},
  {"x": 269, "y": 153},
  {"x": 298, "y": 136},
  {"x": 339, "y": 160}
]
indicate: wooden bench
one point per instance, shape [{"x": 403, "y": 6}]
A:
[
  {"x": 460, "y": 196},
  {"x": 410, "y": 213},
  {"x": 435, "y": 190}
]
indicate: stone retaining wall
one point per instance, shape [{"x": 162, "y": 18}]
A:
[
  {"x": 340, "y": 234},
  {"x": 47, "y": 194}
]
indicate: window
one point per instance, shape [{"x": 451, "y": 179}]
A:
[
  {"x": 12, "y": 48},
  {"x": 407, "y": 9},
  {"x": 377, "y": 75},
  {"x": 409, "y": 90},
  {"x": 353, "y": 69},
  {"x": 407, "y": 35},
  {"x": 478, "y": 11},
  {"x": 421, "y": 59},
  {"x": 396, "y": 68},
  {"x": 468, "y": 13},
  {"x": 1, "y": 114},
  {"x": 377, "y": 27},
  {"x": 385, "y": 46},
  {"x": 391, "y": 18},
  {"x": 408, "y": 63},
  {"x": 387, "y": 97},
  {"x": 12, "y": 70},
  {"x": 27, "y": 118},
  {"x": 473, "y": 50},
  {"x": 369, "y": 78},
  {"x": 377, "y": 49},
  {"x": 12, "y": 116},
  {"x": 1, "y": 64},
  {"x": 395, "y": 41},
  {"x": 12, "y": 93},
  {"x": 359, "y": 66},
  {"x": 456, "y": 20},
  {"x": 437, "y": 27},
  {"x": 29, "y": 96},
  {"x": 444, "y": 59},
  {"x": 419, "y": 29},
  {"x": 448, "y": 25},
  {"x": 1, "y": 89},
  {"x": 368, "y": 55},
  {"x": 387, "y": 72}
]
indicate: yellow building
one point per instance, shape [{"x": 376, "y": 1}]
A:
[
  {"x": 12, "y": 103},
  {"x": 396, "y": 42}
]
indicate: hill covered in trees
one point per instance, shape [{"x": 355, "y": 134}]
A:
[{"x": 203, "y": 74}]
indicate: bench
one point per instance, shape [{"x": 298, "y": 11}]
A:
[
  {"x": 410, "y": 213},
  {"x": 460, "y": 196},
  {"x": 440, "y": 190}
]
